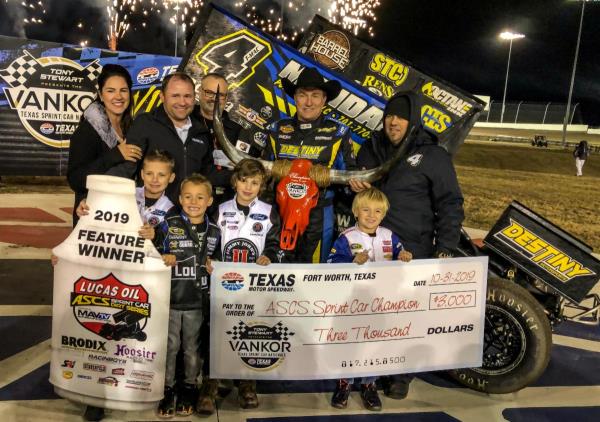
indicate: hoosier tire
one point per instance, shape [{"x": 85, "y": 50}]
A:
[{"x": 517, "y": 341}]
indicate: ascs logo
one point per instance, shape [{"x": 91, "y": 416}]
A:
[{"x": 232, "y": 281}]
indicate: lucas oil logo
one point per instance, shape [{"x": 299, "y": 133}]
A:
[
  {"x": 232, "y": 281},
  {"x": 332, "y": 49},
  {"x": 49, "y": 95},
  {"x": 259, "y": 346},
  {"x": 450, "y": 101},
  {"x": 542, "y": 253},
  {"x": 110, "y": 308}
]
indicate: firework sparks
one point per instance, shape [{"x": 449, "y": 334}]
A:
[
  {"x": 277, "y": 18},
  {"x": 118, "y": 19},
  {"x": 34, "y": 11},
  {"x": 354, "y": 15},
  {"x": 186, "y": 12}
]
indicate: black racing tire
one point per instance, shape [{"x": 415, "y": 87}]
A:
[{"x": 517, "y": 341}]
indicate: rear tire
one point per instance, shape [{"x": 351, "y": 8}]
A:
[{"x": 517, "y": 341}]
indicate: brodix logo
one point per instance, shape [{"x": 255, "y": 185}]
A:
[{"x": 542, "y": 253}]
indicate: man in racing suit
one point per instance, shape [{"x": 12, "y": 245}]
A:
[
  {"x": 426, "y": 204},
  {"x": 309, "y": 135}
]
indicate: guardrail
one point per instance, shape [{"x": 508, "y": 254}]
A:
[{"x": 594, "y": 149}]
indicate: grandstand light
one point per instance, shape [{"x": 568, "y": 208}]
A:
[{"x": 510, "y": 36}]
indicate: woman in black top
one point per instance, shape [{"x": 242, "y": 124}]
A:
[{"x": 99, "y": 141}]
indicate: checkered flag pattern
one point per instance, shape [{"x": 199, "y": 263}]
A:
[
  {"x": 19, "y": 70},
  {"x": 284, "y": 332},
  {"x": 93, "y": 70},
  {"x": 237, "y": 330}
]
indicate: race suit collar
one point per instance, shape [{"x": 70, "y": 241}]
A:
[{"x": 308, "y": 125}]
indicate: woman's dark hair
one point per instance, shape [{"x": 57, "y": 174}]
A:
[{"x": 109, "y": 70}]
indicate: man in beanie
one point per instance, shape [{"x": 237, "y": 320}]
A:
[
  {"x": 426, "y": 204},
  {"x": 312, "y": 136}
]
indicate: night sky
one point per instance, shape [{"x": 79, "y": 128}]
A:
[{"x": 454, "y": 40}]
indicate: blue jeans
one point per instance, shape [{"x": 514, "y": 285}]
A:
[{"x": 184, "y": 332}]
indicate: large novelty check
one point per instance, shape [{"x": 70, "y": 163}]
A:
[{"x": 345, "y": 320}]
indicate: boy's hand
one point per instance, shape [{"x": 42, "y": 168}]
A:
[
  {"x": 263, "y": 260},
  {"x": 169, "y": 260},
  {"x": 209, "y": 266},
  {"x": 146, "y": 232},
  {"x": 404, "y": 255},
  {"x": 361, "y": 257},
  {"x": 53, "y": 260},
  {"x": 82, "y": 209}
]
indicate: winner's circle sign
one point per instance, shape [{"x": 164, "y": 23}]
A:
[{"x": 110, "y": 305}]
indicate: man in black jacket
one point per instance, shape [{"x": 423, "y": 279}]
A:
[
  {"x": 172, "y": 129},
  {"x": 426, "y": 204},
  {"x": 211, "y": 85}
]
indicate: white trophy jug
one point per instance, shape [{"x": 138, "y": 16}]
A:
[{"x": 110, "y": 309}]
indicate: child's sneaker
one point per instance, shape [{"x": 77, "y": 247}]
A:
[
  {"x": 166, "y": 407},
  {"x": 247, "y": 394},
  {"x": 369, "y": 396},
  {"x": 185, "y": 402},
  {"x": 207, "y": 404},
  {"x": 339, "y": 400}
]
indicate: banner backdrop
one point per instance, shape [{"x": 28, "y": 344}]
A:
[
  {"x": 447, "y": 111},
  {"x": 254, "y": 64},
  {"x": 344, "y": 320},
  {"x": 110, "y": 309},
  {"x": 44, "y": 89}
]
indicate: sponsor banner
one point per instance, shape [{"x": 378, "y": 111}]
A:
[
  {"x": 110, "y": 306},
  {"x": 545, "y": 252},
  {"x": 254, "y": 64},
  {"x": 46, "y": 86},
  {"x": 448, "y": 112},
  {"x": 343, "y": 320}
]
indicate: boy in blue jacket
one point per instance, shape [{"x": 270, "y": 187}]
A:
[{"x": 364, "y": 242}]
